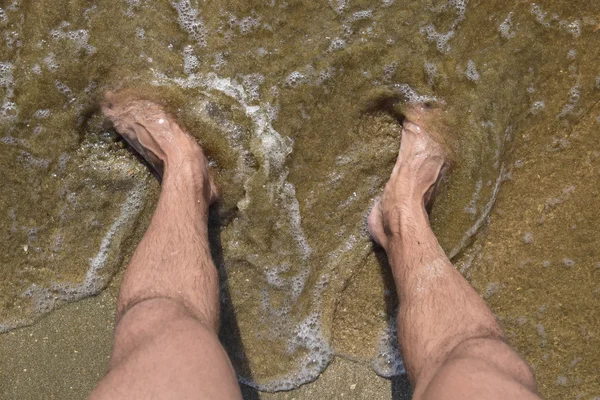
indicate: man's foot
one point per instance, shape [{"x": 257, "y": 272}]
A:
[
  {"x": 416, "y": 174},
  {"x": 156, "y": 135}
]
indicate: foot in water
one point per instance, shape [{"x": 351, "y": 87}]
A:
[
  {"x": 156, "y": 135},
  {"x": 423, "y": 158}
]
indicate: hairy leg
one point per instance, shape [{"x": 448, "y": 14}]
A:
[
  {"x": 451, "y": 343},
  {"x": 166, "y": 343}
]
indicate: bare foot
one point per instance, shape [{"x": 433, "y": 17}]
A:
[
  {"x": 156, "y": 135},
  {"x": 422, "y": 157}
]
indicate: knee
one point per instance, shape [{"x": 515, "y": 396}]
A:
[
  {"x": 482, "y": 366},
  {"x": 151, "y": 320}
]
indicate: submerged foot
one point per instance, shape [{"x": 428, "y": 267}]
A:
[
  {"x": 156, "y": 135},
  {"x": 422, "y": 158}
]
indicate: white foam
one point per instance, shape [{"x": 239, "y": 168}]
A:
[
  {"x": 295, "y": 78},
  {"x": 411, "y": 95},
  {"x": 337, "y": 44},
  {"x": 248, "y": 24},
  {"x": 574, "y": 96},
  {"x": 51, "y": 63},
  {"x": 286, "y": 282},
  {"x": 8, "y": 108},
  {"x": 42, "y": 113},
  {"x": 338, "y": 6},
  {"x": 389, "y": 71},
  {"x": 360, "y": 15},
  {"x": 539, "y": 14},
  {"x": 190, "y": 61},
  {"x": 140, "y": 33},
  {"x": 64, "y": 89},
  {"x": 431, "y": 72},
  {"x": 3, "y": 17},
  {"x": 251, "y": 83},
  {"x": 45, "y": 299},
  {"x": 505, "y": 27},
  {"x": 537, "y": 106},
  {"x": 471, "y": 71},
  {"x": 388, "y": 361},
  {"x": 190, "y": 21},
  {"x": 80, "y": 37},
  {"x": 442, "y": 39},
  {"x": 574, "y": 28}
]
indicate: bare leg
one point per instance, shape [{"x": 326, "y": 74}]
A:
[
  {"x": 451, "y": 343},
  {"x": 166, "y": 344}
]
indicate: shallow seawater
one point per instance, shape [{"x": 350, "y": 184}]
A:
[{"x": 298, "y": 107}]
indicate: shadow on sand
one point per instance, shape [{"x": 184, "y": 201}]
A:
[
  {"x": 230, "y": 332},
  {"x": 401, "y": 389}
]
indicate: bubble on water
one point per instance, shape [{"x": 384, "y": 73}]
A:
[
  {"x": 598, "y": 82},
  {"x": 360, "y": 15},
  {"x": 387, "y": 3},
  {"x": 541, "y": 331},
  {"x": 571, "y": 54},
  {"x": 305, "y": 339},
  {"x": 411, "y": 95},
  {"x": 539, "y": 14},
  {"x": 442, "y": 39},
  {"x": 248, "y": 24},
  {"x": 337, "y": 44},
  {"x": 46, "y": 298},
  {"x": 190, "y": 61},
  {"x": 389, "y": 70},
  {"x": 574, "y": 28},
  {"x": 80, "y": 37},
  {"x": 219, "y": 61},
  {"x": 527, "y": 238},
  {"x": 324, "y": 75},
  {"x": 190, "y": 21},
  {"x": 3, "y": 17},
  {"x": 251, "y": 83},
  {"x": 431, "y": 72},
  {"x": 491, "y": 289},
  {"x": 42, "y": 113},
  {"x": 140, "y": 33},
  {"x": 64, "y": 89},
  {"x": 8, "y": 108},
  {"x": 471, "y": 71},
  {"x": 6, "y": 75},
  {"x": 568, "y": 262},
  {"x": 537, "y": 106},
  {"x": 273, "y": 276},
  {"x": 294, "y": 79},
  {"x": 506, "y": 26},
  {"x": 51, "y": 63},
  {"x": 298, "y": 282},
  {"x": 574, "y": 96},
  {"x": 388, "y": 361},
  {"x": 338, "y": 6}
]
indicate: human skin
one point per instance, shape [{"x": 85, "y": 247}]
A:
[
  {"x": 451, "y": 343},
  {"x": 166, "y": 344}
]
